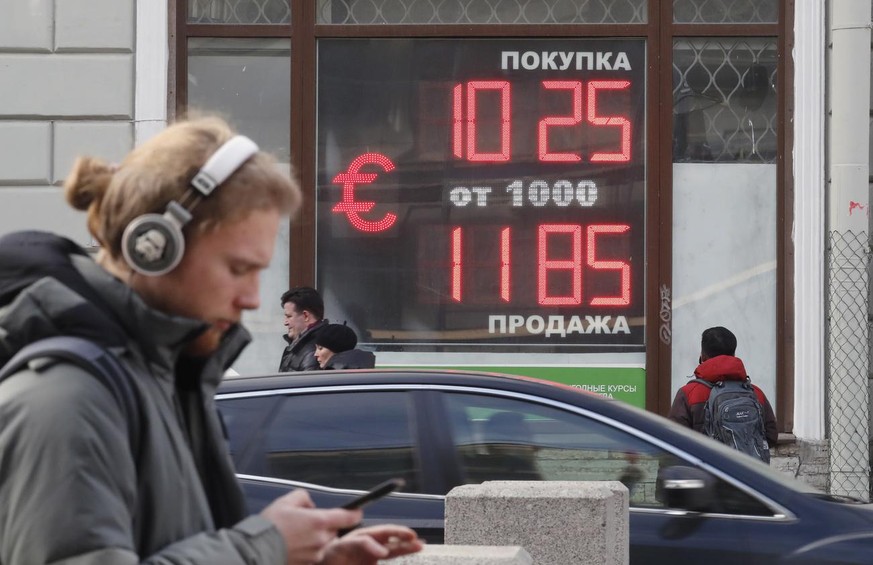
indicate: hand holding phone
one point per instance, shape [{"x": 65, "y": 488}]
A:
[{"x": 375, "y": 493}]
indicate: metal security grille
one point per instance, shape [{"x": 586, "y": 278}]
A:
[
  {"x": 725, "y": 11},
  {"x": 847, "y": 392},
  {"x": 239, "y": 11},
  {"x": 481, "y": 11},
  {"x": 724, "y": 100}
]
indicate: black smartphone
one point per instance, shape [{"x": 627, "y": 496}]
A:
[{"x": 375, "y": 493}]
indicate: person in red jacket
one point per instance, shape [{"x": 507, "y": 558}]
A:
[{"x": 717, "y": 363}]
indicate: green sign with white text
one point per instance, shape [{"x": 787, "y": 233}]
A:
[{"x": 627, "y": 384}]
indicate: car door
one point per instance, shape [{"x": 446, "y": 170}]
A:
[
  {"x": 334, "y": 443},
  {"x": 520, "y": 438}
]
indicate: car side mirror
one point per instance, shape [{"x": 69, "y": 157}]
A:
[{"x": 685, "y": 488}]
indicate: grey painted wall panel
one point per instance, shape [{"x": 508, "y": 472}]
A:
[
  {"x": 25, "y": 150},
  {"x": 94, "y": 24},
  {"x": 41, "y": 208},
  {"x": 66, "y": 85},
  {"x": 110, "y": 141},
  {"x": 26, "y": 26},
  {"x": 67, "y": 60}
]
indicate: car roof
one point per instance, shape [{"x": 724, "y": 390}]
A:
[{"x": 394, "y": 376}]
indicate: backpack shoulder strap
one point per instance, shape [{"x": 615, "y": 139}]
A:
[
  {"x": 704, "y": 382},
  {"x": 94, "y": 359}
]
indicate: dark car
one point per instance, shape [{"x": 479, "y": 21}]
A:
[{"x": 692, "y": 500}]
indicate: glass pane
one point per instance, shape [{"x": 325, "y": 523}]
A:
[
  {"x": 242, "y": 419},
  {"x": 249, "y": 82},
  {"x": 351, "y": 441},
  {"x": 239, "y": 12},
  {"x": 501, "y": 439},
  {"x": 724, "y": 100},
  {"x": 504, "y": 439},
  {"x": 483, "y": 193},
  {"x": 481, "y": 11},
  {"x": 725, "y": 202},
  {"x": 725, "y": 11}
]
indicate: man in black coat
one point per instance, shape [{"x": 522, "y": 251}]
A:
[{"x": 304, "y": 319}]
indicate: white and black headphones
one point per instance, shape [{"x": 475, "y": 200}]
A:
[{"x": 153, "y": 244}]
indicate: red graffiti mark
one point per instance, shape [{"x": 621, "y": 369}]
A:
[{"x": 858, "y": 206}]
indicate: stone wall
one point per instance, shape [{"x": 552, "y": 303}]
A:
[
  {"x": 804, "y": 460},
  {"x": 66, "y": 88}
]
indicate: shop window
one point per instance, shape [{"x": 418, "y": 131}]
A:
[
  {"x": 247, "y": 81},
  {"x": 725, "y": 201},
  {"x": 724, "y": 100},
  {"x": 488, "y": 259}
]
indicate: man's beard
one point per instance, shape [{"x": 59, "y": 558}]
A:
[{"x": 205, "y": 344}]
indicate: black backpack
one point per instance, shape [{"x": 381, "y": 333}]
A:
[
  {"x": 99, "y": 362},
  {"x": 734, "y": 416}
]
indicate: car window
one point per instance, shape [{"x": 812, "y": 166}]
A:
[
  {"x": 342, "y": 440},
  {"x": 508, "y": 439},
  {"x": 242, "y": 418}
]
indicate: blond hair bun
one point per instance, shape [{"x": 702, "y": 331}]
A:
[{"x": 87, "y": 182}]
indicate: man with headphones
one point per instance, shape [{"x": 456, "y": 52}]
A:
[{"x": 89, "y": 474}]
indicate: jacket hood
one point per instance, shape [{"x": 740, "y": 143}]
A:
[
  {"x": 352, "y": 359},
  {"x": 43, "y": 294},
  {"x": 28, "y": 256},
  {"x": 722, "y": 368},
  {"x": 50, "y": 286}
]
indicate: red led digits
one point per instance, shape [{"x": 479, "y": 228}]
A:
[
  {"x": 505, "y": 112},
  {"x": 543, "y": 130},
  {"x": 544, "y": 264},
  {"x": 621, "y": 266},
  {"x": 467, "y": 121},
  {"x": 613, "y": 121},
  {"x": 457, "y": 268},
  {"x": 458, "y": 120},
  {"x": 457, "y": 264},
  {"x": 350, "y": 206},
  {"x": 505, "y": 264},
  {"x": 467, "y": 102}
]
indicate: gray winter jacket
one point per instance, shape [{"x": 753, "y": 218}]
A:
[{"x": 70, "y": 491}]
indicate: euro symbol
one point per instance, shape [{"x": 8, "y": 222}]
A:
[{"x": 352, "y": 207}]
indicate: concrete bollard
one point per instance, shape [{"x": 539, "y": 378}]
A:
[
  {"x": 557, "y": 522},
  {"x": 466, "y": 555}
]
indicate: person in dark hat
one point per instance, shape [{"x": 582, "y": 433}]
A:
[{"x": 335, "y": 349}]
